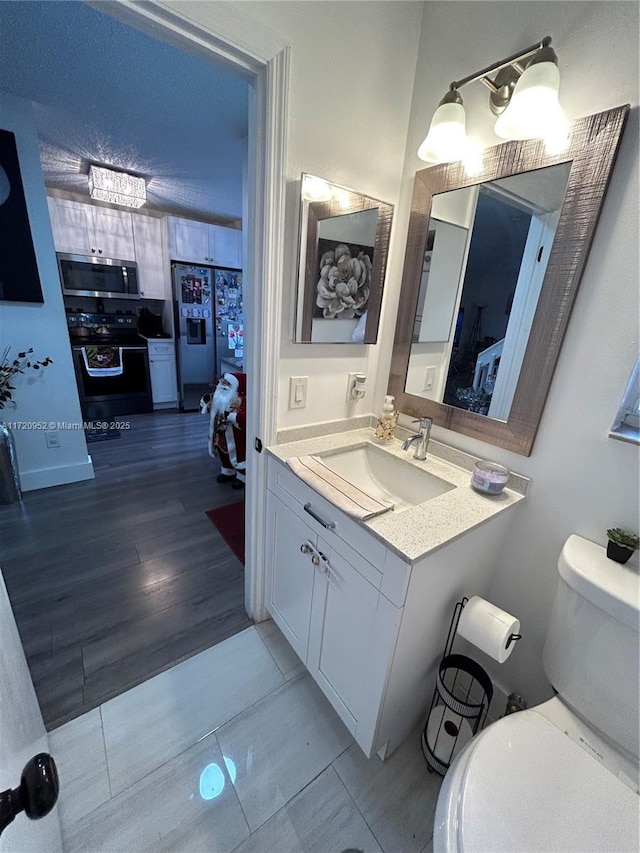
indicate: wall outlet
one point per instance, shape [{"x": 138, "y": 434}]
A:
[
  {"x": 352, "y": 384},
  {"x": 52, "y": 438},
  {"x": 298, "y": 391}
]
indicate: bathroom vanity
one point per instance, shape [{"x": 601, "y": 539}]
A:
[{"x": 366, "y": 605}]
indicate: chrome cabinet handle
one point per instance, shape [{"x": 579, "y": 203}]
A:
[
  {"x": 329, "y": 575},
  {"x": 315, "y": 560},
  {"x": 328, "y": 525},
  {"x": 305, "y": 548}
]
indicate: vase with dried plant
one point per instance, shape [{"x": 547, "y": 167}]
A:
[{"x": 10, "y": 369}]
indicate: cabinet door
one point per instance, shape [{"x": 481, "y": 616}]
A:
[
  {"x": 147, "y": 235},
  {"x": 190, "y": 241},
  {"x": 225, "y": 246},
  {"x": 113, "y": 233},
  {"x": 71, "y": 226},
  {"x": 341, "y": 639},
  {"x": 290, "y": 574},
  {"x": 162, "y": 369}
]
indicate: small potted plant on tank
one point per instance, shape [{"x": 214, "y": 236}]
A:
[{"x": 621, "y": 545}]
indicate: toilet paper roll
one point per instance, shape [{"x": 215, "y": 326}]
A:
[
  {"x": 488, "y": 628},
  {"x": 447, "y": 733}
]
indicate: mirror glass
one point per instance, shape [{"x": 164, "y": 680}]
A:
[
  {"x": 493, "y": 263},
  {"x": 484, "y": 264},
  {"x": 344, "y": 241}
]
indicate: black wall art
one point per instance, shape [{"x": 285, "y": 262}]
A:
[{"x": 19, "y": 278}]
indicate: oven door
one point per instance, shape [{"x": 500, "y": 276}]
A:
[
  {"x": 102, "y": 398},
  {"x": 84, "y": 275}
]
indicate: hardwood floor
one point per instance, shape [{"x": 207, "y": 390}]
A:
[{"x": 116, "y": 579}]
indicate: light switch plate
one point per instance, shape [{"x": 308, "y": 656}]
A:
[
  {"x": 298, "y": 391},
  {"x": 430, "y": 378}
]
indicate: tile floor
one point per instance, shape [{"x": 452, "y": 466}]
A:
[{"x": 235, "y": 749}]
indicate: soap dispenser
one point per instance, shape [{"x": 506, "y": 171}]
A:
[{"x": 387, "y": 421}]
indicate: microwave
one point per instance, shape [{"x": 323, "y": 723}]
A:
[{"x": 86, "y": 275}]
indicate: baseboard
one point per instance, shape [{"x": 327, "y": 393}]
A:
[
  {"x": 498, "y": 704},
  {"x": 44, "y": 478}
]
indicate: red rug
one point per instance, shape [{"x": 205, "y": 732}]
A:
[{"x": 229, "y": 520}]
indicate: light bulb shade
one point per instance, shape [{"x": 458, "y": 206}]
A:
[
  {"x": 534, "y": 111},
  {"x": 117, "y": 187},
  {"x": 315, "y": 189},
  {"x": 447, "y": 137}
]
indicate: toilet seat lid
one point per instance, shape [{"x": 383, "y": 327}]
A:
[{"x": 528, "y": 787}]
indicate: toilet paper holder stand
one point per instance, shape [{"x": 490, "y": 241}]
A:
[
  {"x": 460, "y": 702},
  {"x": 453, "y": 627}
]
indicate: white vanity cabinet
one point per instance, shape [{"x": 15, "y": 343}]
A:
[
  {"x": 369, "y": 625},
  {"x": 203, "y": 243},
  {"x": 291, "y": 582},
  {"x": 162, "y": 370},
  {"x": 351, "y": 633},
  {"x": 322, "y": 598},
  {"x": 86, "y": 229}
]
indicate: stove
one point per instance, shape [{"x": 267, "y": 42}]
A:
[
  {"x": 104, "y": 329},
  {"x": 126, "y": 393}
]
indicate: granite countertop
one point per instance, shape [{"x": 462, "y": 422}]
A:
[{"x": 416, "y": 531}]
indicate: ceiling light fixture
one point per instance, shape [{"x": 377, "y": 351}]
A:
[
  {"x": 524, "y": 96},
  {"x": 116, "y": 187}
]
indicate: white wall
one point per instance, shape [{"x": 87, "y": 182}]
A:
[
  {"x": 582, "y": 481},
  {"x": 22, "y": 735},
  {"x": 50, "y": 395},
  {"x": 352, "y": 71}
]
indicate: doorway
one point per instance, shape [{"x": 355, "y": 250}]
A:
[
  {"x": 262, "y": 60},
  {"x": 265, "y": 181}
]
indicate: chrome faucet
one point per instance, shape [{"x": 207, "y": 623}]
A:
[{"x": 422, "y": 439}]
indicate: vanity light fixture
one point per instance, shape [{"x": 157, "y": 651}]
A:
[
  {"x": 315, "y": 189},
  {"x": 524, "y": 96},
  {"x": 116, "y": 187}
]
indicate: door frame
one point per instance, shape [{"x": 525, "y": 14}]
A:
[{"x": 244, "y": 47}]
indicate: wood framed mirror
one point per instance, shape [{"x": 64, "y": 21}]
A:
[
  {"x": 344, "y": 243},
  {"x": 553, "y": 203}
]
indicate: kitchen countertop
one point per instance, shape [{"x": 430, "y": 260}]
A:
[{"x": 415, "y": 532}]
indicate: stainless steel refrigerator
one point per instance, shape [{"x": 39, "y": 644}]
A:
[{"x": 208, "y": 314}]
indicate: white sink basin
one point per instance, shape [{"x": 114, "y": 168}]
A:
[{"x": 384, "y": 476}]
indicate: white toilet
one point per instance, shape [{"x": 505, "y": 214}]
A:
[{"x": 564, "y": 775}]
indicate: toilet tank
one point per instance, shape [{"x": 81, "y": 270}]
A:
[{"x": 591, "y": 655}]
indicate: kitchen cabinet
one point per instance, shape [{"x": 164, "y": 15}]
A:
[
  {"x": 203, "y": 243},
  {"x": 86, "y": 229},
  {"x": 153, "y": 269},
  {"x": 368, "y": 624},
  {"x": 162, "y": 369}
]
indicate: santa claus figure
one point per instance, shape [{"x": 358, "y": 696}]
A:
[{"x": 227, "y": 427}]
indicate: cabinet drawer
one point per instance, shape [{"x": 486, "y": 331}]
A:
[
  {"x": 365, "y": 552},
  {"x": 156, "y": 348}
]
